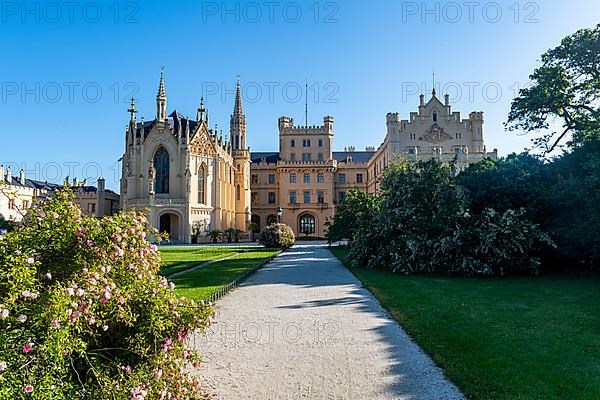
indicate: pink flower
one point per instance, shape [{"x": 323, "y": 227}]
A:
[
  {"x": 3, "y": 366},
  {"x": 80, "y": 292},
  {"x": 42, "y": 213},
  {"x": 153, "y": 247},
  {"x": 103, "y": 300},
  {"x": 28, "y": 389},
  {"x": 22, "y": 318},
  {"x": 89, "y": 242},
  {"x": 48, "y": 276},
  {"x": 56, "y": 324},
  {"x": 70, "y": 291},
  {"x": 26, "y": 293},
  {"x": 158, "y": 374},
  {"x": 30, "y": 260},
  {"x": 105, "y": 328},
  {"x": 27, "y": 348},
  {"x": 79, "y": 233},
  {"x": 4, "y": 313}
]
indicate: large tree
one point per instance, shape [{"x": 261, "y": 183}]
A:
[{"x": 565, "y": 91}]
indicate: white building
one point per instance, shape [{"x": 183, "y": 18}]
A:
[{"x": 434, "y": 131}]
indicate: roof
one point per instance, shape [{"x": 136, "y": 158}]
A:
[
  {"x": 339, "y": 156},
  {"x": 270, "y": 156},
  {"x": 176, "y": 121},
  {"x": 47, "y": 186},
  {"x": 357, "y": 156}
]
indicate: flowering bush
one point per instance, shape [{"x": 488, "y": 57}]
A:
[
  {"x": 277, "y": 236},
  {"x": 84, "y": 314}
]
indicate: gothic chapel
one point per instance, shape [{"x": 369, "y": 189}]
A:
[{"x": 189, "y": 178}]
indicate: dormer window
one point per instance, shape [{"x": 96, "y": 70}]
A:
[{"x": 435, "y": 119}]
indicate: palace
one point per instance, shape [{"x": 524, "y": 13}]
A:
[
  {"x": 189, "y": 178},
  {"x": 305, "y": 179},
  {"x": 192, "y": 180}
]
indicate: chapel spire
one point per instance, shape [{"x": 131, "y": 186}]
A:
[
  {"x": 161, "y": 98},
  {"x": 237, "y": 126},
  {"x": 237, "y": 109}
]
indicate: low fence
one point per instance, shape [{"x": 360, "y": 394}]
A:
[{"x": 232, "y": 285}]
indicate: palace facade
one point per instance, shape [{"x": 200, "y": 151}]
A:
[
  {"x": 305, "y": 179},
  {"x": 189, "y": 178},
  {"x": 192, "y": 180}
]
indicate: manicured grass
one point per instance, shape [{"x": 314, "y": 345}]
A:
[
  {"x": 525, "y": 338},
  {"x": 200, "y": 284},
  {"x": 177, "y": 259}
]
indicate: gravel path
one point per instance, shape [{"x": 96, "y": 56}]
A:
[{"x": 304, "y": 328}]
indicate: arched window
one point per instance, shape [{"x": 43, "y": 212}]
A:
[
  {"x": 161, "y": 165},
  {"x": 307, "y": 224},
  {"x": 202, "y": 185},
  {"x": 435, "y": 116}
]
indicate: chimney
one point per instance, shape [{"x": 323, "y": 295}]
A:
[
  {"x": 1, "y": 172},
  {"x": 22, "y": 177},
  {"x": 9, "y": 175},
  {"x": 101, "y": 199},
  {"x": 447, "y": 99}
]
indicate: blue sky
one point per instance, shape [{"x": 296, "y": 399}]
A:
[{"x": 67, "y": 71}]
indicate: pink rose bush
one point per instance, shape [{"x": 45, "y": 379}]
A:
[{"x": 85, "y": 315}]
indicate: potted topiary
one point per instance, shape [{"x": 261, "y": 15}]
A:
[
  {"x": 230, "y": 233},
  {"x": 215, "y": 235}
]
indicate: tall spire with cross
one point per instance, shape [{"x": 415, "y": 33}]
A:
[
  {"x": 132, "y": 111},
  {"x": 161, "y": 98},
  {"x": 237, "y": 124}
]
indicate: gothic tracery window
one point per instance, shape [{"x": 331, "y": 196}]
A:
[
  {"x": 161, "y": 165},
  {"x": 202, "y": 185}
]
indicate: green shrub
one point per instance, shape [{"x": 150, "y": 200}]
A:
[
  {"x": 424, "y": 225},
  {"x": 277, "y": 236},
  {"x": 84, "y": 314}
]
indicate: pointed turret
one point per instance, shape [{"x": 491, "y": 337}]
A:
[
  {"x": 132, "y": 111},
  {"x": 201, "y": 111},
  {"x": 237, "y": 126},
  {"x": 161, "y": 98}
]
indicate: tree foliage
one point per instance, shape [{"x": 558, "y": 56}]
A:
[
  {"x": 356, "y": 210},
  {"x": 425, "y": 225},
  {"x": 564, "y": 90}
]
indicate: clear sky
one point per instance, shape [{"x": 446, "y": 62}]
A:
[{"x": 68, "y": 68}]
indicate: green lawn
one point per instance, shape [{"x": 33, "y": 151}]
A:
[
  {"x": 175, "y": 259},
  {"x": 201, "y": 283},
  {"x": 533, "y": 338}
]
